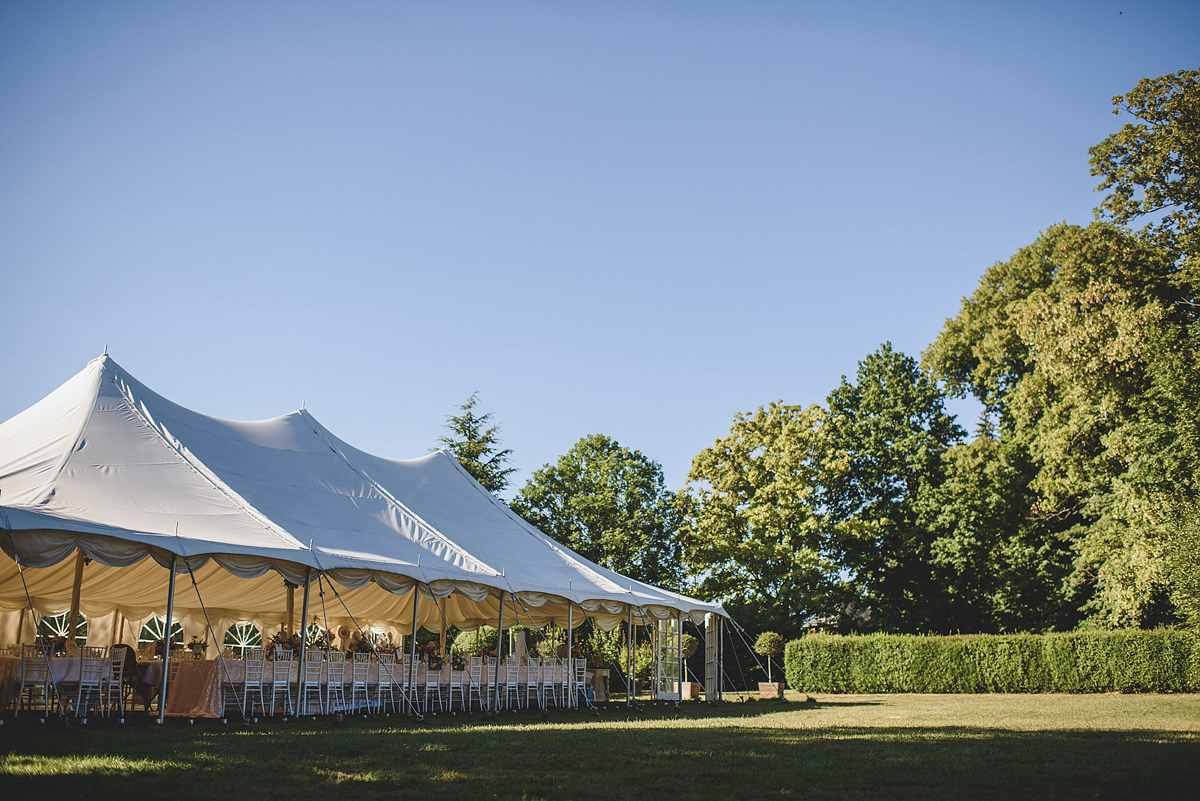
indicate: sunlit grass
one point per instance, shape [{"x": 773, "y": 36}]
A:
[
  {"x": 885, "y": 746},
  {"x": 35, "y": 765}
]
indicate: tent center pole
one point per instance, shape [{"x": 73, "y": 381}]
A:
[
  {"x": 412, "y": 662},
  {"x": 629, "y": 662},
  {"x": 166, "y": 668},
  {"x": 499, "y": 642},
  {"x": 289, "y": 626},
  {"x": 76, "y": 588},
  {"x": 303, "y": 633}
]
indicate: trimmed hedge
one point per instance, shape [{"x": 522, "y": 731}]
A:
[{"x": 1163, "y": 660}]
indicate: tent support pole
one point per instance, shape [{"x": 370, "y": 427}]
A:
[
  {"x": 166, "y": 668},
  {"x": 570, "y": 699},
  {"x": 76, "y": 588},
  {"x": 499, "y": 643},
  {"x": 629, "y": 689},
  {"x": 303, "y": 633},
  {"x": 412, "y": 662},
  {"x": 682, "y": 661},
  {"x": 289, "y": 626}
]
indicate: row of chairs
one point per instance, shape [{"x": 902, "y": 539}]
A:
[
  {"x": 101, "y": 687},
  {"x": 332, "y": 684},
  {"x": 323, "y": 686}
]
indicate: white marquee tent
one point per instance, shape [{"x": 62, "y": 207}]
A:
[{"x": 107, "y": 471}]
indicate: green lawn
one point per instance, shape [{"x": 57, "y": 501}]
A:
[{"x": 852, "y": 746}]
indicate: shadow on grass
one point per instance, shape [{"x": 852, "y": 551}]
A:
[{"x": 730, "y": 758}]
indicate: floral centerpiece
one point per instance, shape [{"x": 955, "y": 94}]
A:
[
  {"x": 359, "y": 645},
  {"x": 292, "y": 642},
  {"x": 430, "y": 654},
  {"x": 197, "y": 646}
]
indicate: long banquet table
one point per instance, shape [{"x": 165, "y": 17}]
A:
[
  {"x": 63, "y": 670},
  {"x": 196, "y": 691}
]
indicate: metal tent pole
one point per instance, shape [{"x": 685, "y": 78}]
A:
[
  {"x": 166, "y": 668},
  {"x": 412, "y": 662},
  {"x": 682, "y": 661},
  {"x": 290, "y": 595},
  {"x": 629, "y": 690},
  {"x": 303, "y": 636},
  {"x": 496, "y": 671},
  {"x": 571, "y": 699}
]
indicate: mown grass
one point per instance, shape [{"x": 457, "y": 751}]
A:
[{"x": 866, "y": 746}]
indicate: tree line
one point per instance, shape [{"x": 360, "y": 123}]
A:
[{"x": 1072, "y": 503}]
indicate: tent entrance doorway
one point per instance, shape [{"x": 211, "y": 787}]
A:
[{"x": 668, "y": 652}]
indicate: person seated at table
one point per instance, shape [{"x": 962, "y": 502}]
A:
[{"x": 129, "y": 669}]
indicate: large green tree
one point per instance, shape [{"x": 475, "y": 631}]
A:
[
  {"x": 1150, "y": 170},
  {"x": 891, "y": 428},
  {"x": 475, "y": 443},
  {"x": 755, "y": 537},
  {"x": 999, "y": 569},
  {"x": 610, "y": 504},
  {"x": 1151, "y": 167},
  {"x": 1074, "y": 346}
]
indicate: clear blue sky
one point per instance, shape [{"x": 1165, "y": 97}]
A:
[{"x": 627, "y": 218}]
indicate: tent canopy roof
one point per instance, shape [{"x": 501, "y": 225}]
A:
[{"x": 106, "y": 464}]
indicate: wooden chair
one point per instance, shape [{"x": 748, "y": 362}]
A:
[
  {"x": 532, "y": 687},
  {"x": 360, "y": 674},
  {"x": 116, "y": 685},
  {"x": 431, "y": 682},
  {"x": 281, "y": 682},
  {"x": 477, "y": 684},
  {"x": 34, "y": 681},
  {"x": 93, "y": 673},
  {"x": 252, "y": 684},
  {"x": 390, "y": 680},
  {"x": 457, "y": 686},
  {"x": 312, "y": 682},
  {"x": 512, "y": 685},
  {"x": 335, "y": 681},
  {"x": 580, "y": 681}
]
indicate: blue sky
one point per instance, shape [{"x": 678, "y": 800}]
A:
[{"x": 634, "y": 219}]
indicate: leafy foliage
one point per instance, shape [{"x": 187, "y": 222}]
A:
[
  {"x": 768, "y": 643},
  {"x": 476, "y": 446},
  {"x": 1075, "y": 662},
  {"x": 891, "y": 431},
  {"x": 1000, "y": 569},
  {"x": 755, "y": 536},
  {"x": 479, "y": 641},
  {"x": 1151, "y": 167},
  {"x": 1074, "y": 346},
  {"x": 610, "y": 504},
  {"x": 1184, "y": 562}
]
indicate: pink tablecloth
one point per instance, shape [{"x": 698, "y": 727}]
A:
[{"x": 195, "y": 692}]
